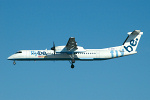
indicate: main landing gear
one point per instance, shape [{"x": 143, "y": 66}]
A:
[
  {"x": 73, "y": 61},
  {"x": 14, "y": 62}
]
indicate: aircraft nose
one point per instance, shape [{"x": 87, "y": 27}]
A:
[{"x": 10, "y": 58}]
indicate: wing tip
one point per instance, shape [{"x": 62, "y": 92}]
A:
[{"x": 72, "y": 37}]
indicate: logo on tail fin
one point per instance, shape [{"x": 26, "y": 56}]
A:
[{"x": 129, "y": 48}]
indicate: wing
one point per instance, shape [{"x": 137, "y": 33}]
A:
[{"x": 72, "y": 44}]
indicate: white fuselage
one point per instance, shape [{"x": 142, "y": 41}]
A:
[{"x": 88, "y": 54}]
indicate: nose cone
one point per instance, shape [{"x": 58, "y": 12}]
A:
[{"x": 10, "y": 58}]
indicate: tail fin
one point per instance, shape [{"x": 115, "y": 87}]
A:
[{"x": 131, "y": 43}]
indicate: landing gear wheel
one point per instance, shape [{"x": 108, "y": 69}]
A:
[
  {"x": 14, "y": 63},
  {"x": 72, "y": 66}
]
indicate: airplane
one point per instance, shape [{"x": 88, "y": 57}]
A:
[{"x": 72, "y": 52}]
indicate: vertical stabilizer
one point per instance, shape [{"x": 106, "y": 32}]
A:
[{"x": 131, "y": 43}]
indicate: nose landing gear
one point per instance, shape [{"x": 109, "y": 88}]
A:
[{"x": 14, "y": 62}]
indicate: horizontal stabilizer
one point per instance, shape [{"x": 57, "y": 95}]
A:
[{"x": 135, "y": 32}]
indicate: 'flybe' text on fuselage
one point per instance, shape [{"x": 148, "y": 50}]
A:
[{"x": 38, "y": 53}]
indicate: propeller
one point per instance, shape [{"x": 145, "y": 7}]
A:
[{"x": 53, "y": 48}]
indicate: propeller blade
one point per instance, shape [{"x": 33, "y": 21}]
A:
[
  {"x": 53, "y": 44},
  {"x": 53, "y": 48},
  {"x": 54, "y": 51}
]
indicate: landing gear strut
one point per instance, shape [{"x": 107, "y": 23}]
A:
[
  {"x": 14, "y": 62},
  {"x": 72, "y": 60}
]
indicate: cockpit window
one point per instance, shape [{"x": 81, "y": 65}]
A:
[{"x": 19, "y": 52}]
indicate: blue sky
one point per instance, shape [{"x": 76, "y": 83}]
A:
[{"x": 35, "y": 24}]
